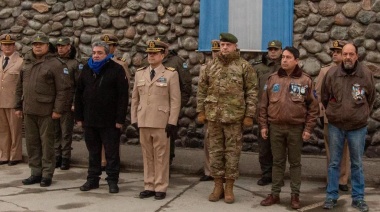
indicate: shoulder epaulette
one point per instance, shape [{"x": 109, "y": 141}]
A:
[
  {"x": 256, "y": 62},
  {"x": 324, "y": 66},
  {"x": 170, "y": 68},
  {"x": 122, "y": 59},
  {"x": 142, "y": 68}
]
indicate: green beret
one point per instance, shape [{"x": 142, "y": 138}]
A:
[{"x": 227, "y": 37}]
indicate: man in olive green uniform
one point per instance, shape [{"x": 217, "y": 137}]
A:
[
  {"x": 64, "y": 125},
  {"x": 112, "y": 42},
  {"x": 336, "y": 51},
  {"x": 270, "y": 63},
  {"x": 41, "y": 96},
  {"x": 227, "y": 97},
  {"x": 178, "y": 63}
]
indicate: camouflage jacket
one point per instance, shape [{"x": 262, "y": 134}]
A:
[{"x": 227, "y": 89}]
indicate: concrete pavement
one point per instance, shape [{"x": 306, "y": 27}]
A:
[{"x": 185, "y": 193}]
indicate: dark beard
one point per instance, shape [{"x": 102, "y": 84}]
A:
[{"x": 227, "y": 59}]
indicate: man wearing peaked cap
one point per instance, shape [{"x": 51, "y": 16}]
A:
[
  {"x": 113, "y": 42},
  {"x": 10, "y": 124},
  {"x": 225, "y": 122},
  {"x": 155, "y": 108},
  {"x": 215, "y": 48},
  {"x": 64, "y": 125},
  {"x": 41, "y": 103},
  {"x": 337, "y": 58},
  {"x": 270, "y": 62},
  {"x": 173, "y": 60}
]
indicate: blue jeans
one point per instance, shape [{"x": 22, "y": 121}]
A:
[{"x": 356, "y": 143}]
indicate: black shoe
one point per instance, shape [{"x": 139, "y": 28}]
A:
[
  {"x": 13, "y": 162},
  {"x": 65, "y": 165},
  {"x": 89, "y": 185},
  {"x": 32, "y": 180},
  {"x": 146, "y": 194},
  {"x": 160, "y": 195},
  {"x": 343, "y": 187},
  {"x": 45, "y": 182},
  {"x": 103, "y": 168},
  {"x": 330, "y": 204},
  {"x": 361, "y": 205},
  {"x": 3, "y": 162},
  {"x": 206, "y": 178},
  {"x": 264, "y": 181},
  {"x": 113, "y": 188},
  {"x": 58, "y": 161}
]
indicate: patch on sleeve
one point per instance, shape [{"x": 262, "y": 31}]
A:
[
  {"x": 265, "y": 87},
  {"x": 184, "y": 65},
  {"x": 80, "y": 66},
  {"x": 66, "y": 71},
  {"x": 276, "y": 88}
]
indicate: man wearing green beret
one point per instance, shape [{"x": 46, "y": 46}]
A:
[
  {"x": 41, "y": 95},
  {"x": 226, "y": 99}
]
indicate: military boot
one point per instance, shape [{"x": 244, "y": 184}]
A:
[
  {"x": 218, "y": 192},
  {"x": 65, "y": 165},
  {"x": 58, "y": 161},
  {"x": 229, "y": 193}
]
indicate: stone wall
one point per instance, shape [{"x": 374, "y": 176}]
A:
[{"x": 316, "y": 24}]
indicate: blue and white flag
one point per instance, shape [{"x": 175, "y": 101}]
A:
[{"x": 253, "y": 22}]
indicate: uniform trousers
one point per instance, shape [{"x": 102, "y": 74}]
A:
[
  {"x": 225, "y": 148},
  {"x": 64, "y": 135},
  {"x": 39, "y": 136},
  {"x": 265, "y": 156},
  {"x": 344, "y": 164},
  {"x": 286, "y": 141},
  {"x": 155, "y": 147},
  {"x": 206, "y": 147},
  {"x": 109, "y": 137},
  {"x": 10, "y": 135}
]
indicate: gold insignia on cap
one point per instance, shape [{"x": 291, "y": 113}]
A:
[
  {"x": 273, "y": 43},
  {"x": 106, "y": 38},
  {"x": 335, "y": 44},
  {"x": 215, "y": 44},
  {"x": 158, "y": 39},
  {"x": 60, "y": 39},
  {"x": 7, "y": 37},
  {"x": 38, "y": 37},
  {"x": 152, "y": 44}
]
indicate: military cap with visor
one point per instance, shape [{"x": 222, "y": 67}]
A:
[
  {"x": 63, "y": 41},
  {"x": 337, "y": 44},
  {"x": 215, "y": 45},
  {"x": 7, "y": 39},
  {"x": 227, "y": 37},
  {"x": 156, "y": 46},
  {"x": 274, "y": 44},
  {"x": 162, "y": 38},
  {"x": 109, "y": 39},
  {"x": 40, "y": 38}
]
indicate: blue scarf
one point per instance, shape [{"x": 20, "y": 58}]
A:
[{"x": 96, "y": 66}]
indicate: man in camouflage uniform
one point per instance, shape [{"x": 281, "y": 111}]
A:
[
  {"x": 270, "y": 63},
  {"x": 42, "y": 92},
  {"x": 64, "y": 125},
  {"x": 336, "y": 51},
  {"x": 227, "y": 96},
  {"x": 112, "y": 42},
  {"x": 172, "y": 59}
]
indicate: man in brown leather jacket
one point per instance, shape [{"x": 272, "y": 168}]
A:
[{"x": 288, "y": 112}]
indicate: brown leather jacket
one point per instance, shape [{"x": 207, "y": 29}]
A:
[
  {"x": 289, "y": 100},
  {"x": 348, "y": 98}
]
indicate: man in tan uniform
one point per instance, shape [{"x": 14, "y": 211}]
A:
[
  {"x": 156, "y": 102},
  {"x": 336, "y": 51},
  {"x": 10, "y": 124},
  {"x": 215, "y": 48},
  {"x": 112, "y": 42}
]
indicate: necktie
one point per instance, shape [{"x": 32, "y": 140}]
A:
[
  {"x": 152, "y": 74},
  {"x": 6, "y": 62}
]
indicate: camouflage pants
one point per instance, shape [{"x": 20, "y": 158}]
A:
[{"x": 225, "y": 147}]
